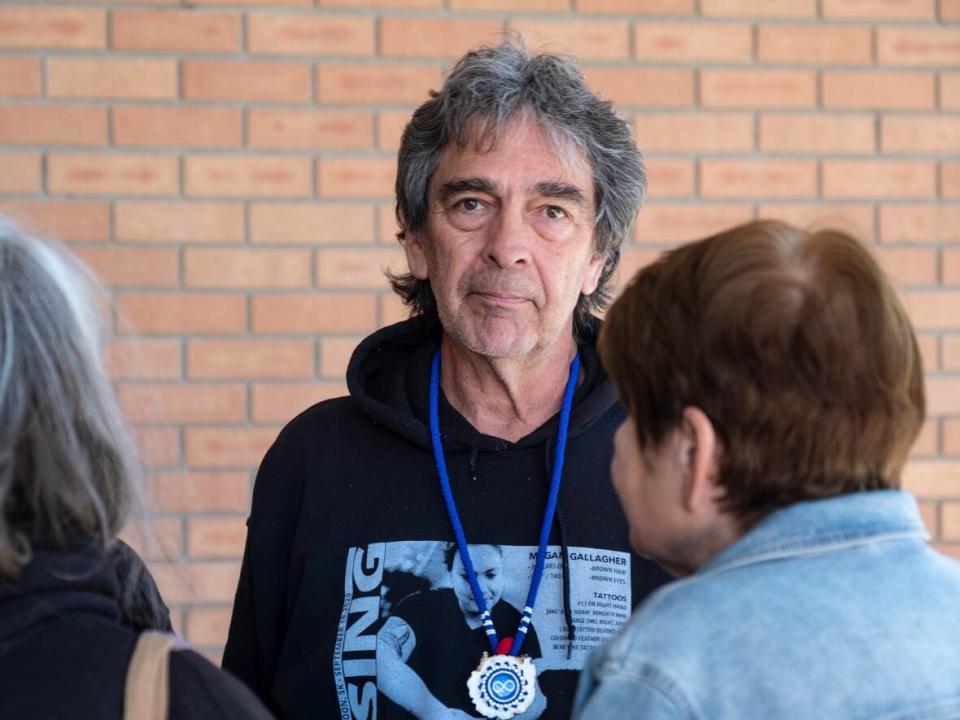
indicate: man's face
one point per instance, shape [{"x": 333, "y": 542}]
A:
[
  {"x": 488, "y": 562},
  {"x": 508, "y": 246}
]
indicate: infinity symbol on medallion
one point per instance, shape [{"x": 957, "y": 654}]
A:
[{"x": 503, "y": 687}]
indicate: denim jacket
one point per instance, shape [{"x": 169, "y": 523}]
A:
[{"x": 827, "y": 609}]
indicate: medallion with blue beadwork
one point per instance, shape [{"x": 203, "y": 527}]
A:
[{"x": 503, "y": 686}]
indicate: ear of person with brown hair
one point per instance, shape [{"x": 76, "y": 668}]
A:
[
  {"x": 774, "y": 389},
  {"x": 73, "y": 598}
]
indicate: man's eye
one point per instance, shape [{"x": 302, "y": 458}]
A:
[
  {"x": 468, "y": 204},
  {"x": 555, "y": 212}
]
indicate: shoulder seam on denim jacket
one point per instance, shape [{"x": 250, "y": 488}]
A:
[
  {"x": 654, "y": 677},
  {"x": 811, "y": 550}
]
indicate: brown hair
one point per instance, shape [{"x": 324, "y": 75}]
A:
[{"x": 795, "y": 346}]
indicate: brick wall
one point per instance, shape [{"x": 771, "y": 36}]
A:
[{"x": 226, "y": 167}]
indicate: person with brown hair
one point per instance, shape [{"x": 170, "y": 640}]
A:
[
  {"x": 774, "y": 389},
  {"x": 83, "y": 630}
]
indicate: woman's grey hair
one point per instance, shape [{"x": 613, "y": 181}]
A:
[
  {"x": 487, "y": 89},
  {"x": 68, "y": 471}
]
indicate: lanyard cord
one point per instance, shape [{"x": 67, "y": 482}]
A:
[{"x": 547, "y": 515}]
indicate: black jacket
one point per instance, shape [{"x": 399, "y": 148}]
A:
[
  {"x": 348, "y": 520},
  {"x": 68, "y": 627}
]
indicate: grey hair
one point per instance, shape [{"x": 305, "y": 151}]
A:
[
  {"x": 68, "y": 470},
  {"x": 490, "y": 87}
]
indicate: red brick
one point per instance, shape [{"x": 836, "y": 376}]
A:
[
  {"x": 951, "y": 352},
  {"x": 204, "y": 582},
  {"x": 669, "y": 178},
  {"x": 855, "y": 219},
  {"x": 253, "y": 176},
  {"x": 951, "y": 267},
  {"x": 918, "y": 46},
  {"x": 757, "y": 178},
  {"x": 278, "y": 402},
  {"x": 587, "y": 39},
  {"x": 879, "y": 9},
  {"x": 242, "y": 359},
  {"x": 918, "y": 134},
  {"x": 950, "y": 520},
  {"x": 387, "y": 225},
  {"x": 310, "y": 314},
  {"x": 183, "y": 313},
  {"x": 68, "y": 220},
  {"x": 127, "y": 174},
  {"x": 159, "y": 538},
  {"x": 309, "y": 129},
  {"x": 949, "y": 10},
  {"x": 637, "y": 7},
  {"x": 392, "y": 309},
  {"x": 757, "y": 88},
  {"x": 938, "y": 310},
  {"x": 380, "y": 84},
  {"x": 878, "y": 179},
  {"x": 943, "y": 395},
  {"x": 631, "y": 262},
  {"x": 928, "y": 223},
  {"x": 21, "y": 172},
  {"x": 690, "y": 42},
  {"x": 671, "y": 224},
  {"x": 694, "y": 132},
  {"x": 809, "y": 133},
  {"x": 157, "y": 446},
  {"x": 814, "y": 44},
  {"x": 143, "y": 359},
  {"x": 335, "y": 355},
  {"x": 928, "y": 514},
  {"x": 950, "y": 91},
  {"x": 200, "y": 492},
  {"x": 176, "y": 126},
  {"x": 246, "y": 269},
  {"x": 908, "y": 266},
  {"x": 227, "y": 447},
  {"x": 882, "y": 90},
  {"x": 390, "y": 127},
  {"x": 358, "y": 269},
  {"x": 143, "y": 78},
  {"x": 950, "y": 179},
  {"x": 951, "y": 436},
  {"x": 759, "y": 8},
  {"x": 136, "y": 267},
  {"x": 268, "y": 3},
  {"x": 52, "y": 125},
  {"x": 311, "y": 223},
  {"x": 52, "y": 27},
  {"x": 183, "y": 403},
  {"x": 179, "y": 222},
  {"x": 512, "y": 5},
  {"x": 643, "y": 87},
  {"x": 274, "y": 34},
  {"x": 440, "y": 37},
  {"x": 404, "y": 4},
  {"x": 929, "y": 352},
  {"x": 216, "y": 537},
  {"x": 356, "y": 177},
  {"x": 19, "y": 77},
  {"x": 933, "y": 478},
  {"x": 246, "y": 80},
  {"x": 207, "y": 625},
  {"x": 927, "y": 442},
  {"x": 175, "y": 30}
]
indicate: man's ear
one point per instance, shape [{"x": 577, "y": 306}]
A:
[
  {"x": 591, "y": 276},
  {"x": 702, "y": 450},
  {"x": 416, "y": 257}
]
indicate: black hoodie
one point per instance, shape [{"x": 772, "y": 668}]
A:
[
  {"x": 68, "y": 627},
  {"x": 348, "y": 546}
]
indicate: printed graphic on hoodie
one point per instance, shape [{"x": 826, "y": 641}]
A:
[{"x": 410, "y": 633}]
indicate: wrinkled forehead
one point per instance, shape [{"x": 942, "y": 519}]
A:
[{"x": 483, "y": 135}]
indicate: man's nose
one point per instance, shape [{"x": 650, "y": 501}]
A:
[{"x": 509, "y": 240}]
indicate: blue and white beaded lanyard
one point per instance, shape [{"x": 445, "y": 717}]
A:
[{"x": 503, "y": 685}]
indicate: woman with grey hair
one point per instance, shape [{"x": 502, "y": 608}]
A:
[{"x": 79, "y": 613}]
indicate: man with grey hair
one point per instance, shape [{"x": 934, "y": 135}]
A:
[{"x": 445, "y": 543}]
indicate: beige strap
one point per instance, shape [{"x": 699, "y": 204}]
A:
[{"x": 146, "y": 694}]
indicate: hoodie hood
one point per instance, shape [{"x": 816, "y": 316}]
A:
[{"x": 389, "y": 378}]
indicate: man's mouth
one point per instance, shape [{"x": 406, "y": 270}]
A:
[{"x": 500, "y": 298}]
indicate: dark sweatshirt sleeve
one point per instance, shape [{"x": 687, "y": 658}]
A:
[
  {"x": 198, "y": 690},
  {"x": 258, "y": 623}
]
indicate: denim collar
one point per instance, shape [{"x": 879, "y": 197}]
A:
[{"x": 822, "y": 526}]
